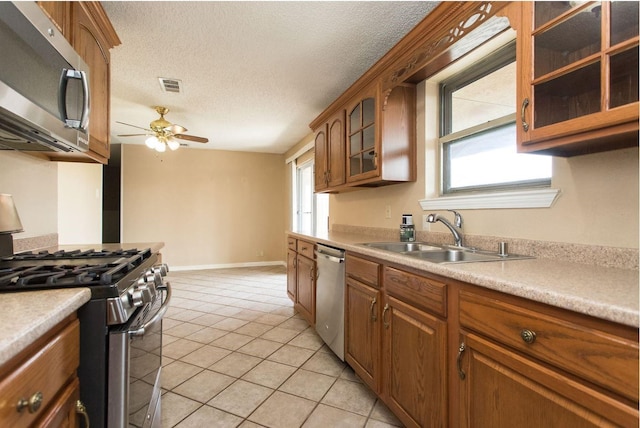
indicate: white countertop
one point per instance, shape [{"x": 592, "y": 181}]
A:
[
  {"x": 601, "y": 292},
  {"x": 27, "y": 315}
]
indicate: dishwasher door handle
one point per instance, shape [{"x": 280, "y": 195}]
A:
[{"x": 330, "y": 257}]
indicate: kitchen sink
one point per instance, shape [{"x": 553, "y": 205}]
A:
[
  {"x": 402, "y": 247},
  {"x": 442, "y": 253}
]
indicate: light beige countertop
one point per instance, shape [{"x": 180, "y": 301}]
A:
[
  {"x": 601, "y": 292},
  {"x": 27, "y": 315}
]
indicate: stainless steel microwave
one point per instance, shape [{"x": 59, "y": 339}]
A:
[{"x": 44, "y": 87}]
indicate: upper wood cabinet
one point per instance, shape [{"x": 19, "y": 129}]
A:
[
  {"x": 330, "y": 153},
  {"x": 86, "y": 26},
  {"x": 578, "y": 77},
  {"x": 381, "y": 146}
]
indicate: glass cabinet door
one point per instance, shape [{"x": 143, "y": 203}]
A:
[
  {"x": 583, "y": 66},
  {"x": 362, "y": 151}
]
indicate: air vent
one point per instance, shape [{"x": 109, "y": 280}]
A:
[{"x": 170, "y": 85}]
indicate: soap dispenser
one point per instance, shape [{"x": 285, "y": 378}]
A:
[{"x": 407, "y": 229}]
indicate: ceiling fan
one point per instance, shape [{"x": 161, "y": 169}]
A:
[{"x": 163, "y": 133}]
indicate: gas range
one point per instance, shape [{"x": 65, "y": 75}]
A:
[
  {"x": 120, "y": 326},
  {"x": 107, "y": 273}
]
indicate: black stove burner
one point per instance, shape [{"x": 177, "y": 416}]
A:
[{"x": 99, "y": 270}]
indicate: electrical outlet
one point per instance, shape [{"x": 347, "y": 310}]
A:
[
  {"x": 425, "y": 224},
  {"x": 387, "y": 211}
]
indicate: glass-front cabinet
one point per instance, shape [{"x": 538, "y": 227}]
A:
[
  {"x": 381, "y": 137},
  {"x": 579, "y": 67}
]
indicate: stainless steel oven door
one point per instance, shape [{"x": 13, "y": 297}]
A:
[{"x": 135, "y": 361}]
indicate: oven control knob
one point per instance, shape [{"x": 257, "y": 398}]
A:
[
  {"x": 163, "y": 269},
  {"x": 140, "y": 296},
  {"x": 153, "y": 277}
]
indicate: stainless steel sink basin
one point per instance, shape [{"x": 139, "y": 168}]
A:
[
  {"x": 442, "y": 253},
  {"x": 402, "y": 247}
]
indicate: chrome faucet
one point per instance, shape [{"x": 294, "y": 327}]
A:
[{"x": 433, "y": 218}]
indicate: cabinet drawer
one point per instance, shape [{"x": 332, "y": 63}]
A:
[
  {"x": 291, "y": 243},
  {"x": 45, "y": 372},
  {"x": 420, "y": 292},
  {"x": 306, "y": 248},
  {"x": 363, "y": 270},
  {"x": 597, "y": 356}
]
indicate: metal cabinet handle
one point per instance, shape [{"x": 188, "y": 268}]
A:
[
  {"x": 82, "y": 410},
  {"x": 384, "y": 320},
  {"x": 374, "y": 318},
  {"x": 311, "y": 274},
  {"x": 528, "y": 336},
  {"x": 461, "y": 372},
  {"x": 525, "y": 103},
  {"x": 32, "y": 404}
]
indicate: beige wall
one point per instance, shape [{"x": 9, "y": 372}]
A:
[
  {"x": 33, "y": 182},
  {"x": 79, "y": 203},
  {"x": 597, "y": 205},
  {"x": 209, "y": 207}
]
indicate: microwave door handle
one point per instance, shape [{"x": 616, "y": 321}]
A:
[
  {"x": 139, "y": 332},
  {"x": 62, "y": 98}
]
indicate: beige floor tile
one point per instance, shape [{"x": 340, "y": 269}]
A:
[
  {"x": 236, "y": 364},
  {"x": 283, "y": 411},
  {"x": 287, "y": 311},
  {"x": 291, "y": 355},
  {"x": 382, "y": 413},
  {"x": 327, "y": 416},
  {"x": 271, "y": 319},
  {"x": 230, "y": 324},
  {"x": 208, "y": 417},
  {"x": 180, "y": 348},
  {"x": 372, "y": 423},
  {"x": 174, "y": 408},
  {"x": 205, "y": 356},
  {"x": 248, "y": 315},
  {"x": 204, "y": 386},
  {"x": 232, "y": 341},
  {"x": 296, "y": 324},
  {"x": 185, "y": 315},
  {"x": 207, "y": 335},
  {"x": 241, "y": 398},
  {"x": 260, "y": 348},
  {"x": 324, "y": 363},
  {"x": 279, "y": 334},
  {"x": 182, "y": 330},
  {"x": 307, "y": 340},
  {"x": 249, "y": 424},
  {"x": 207, "y": 320},
  {"x": 254, "y": 329},
  {"x": 269, "y": 374},
  {"x": 168, "y": 323},
  {"x": 351, "y": 396},
  {"x": 177, "y": 372},
  {"x": 310, "y": 385}
]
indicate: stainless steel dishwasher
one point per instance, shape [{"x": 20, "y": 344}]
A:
[{"x": 330, "y": 297}]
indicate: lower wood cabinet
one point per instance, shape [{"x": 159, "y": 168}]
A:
[
  {"x": 442, "y": 353},
  {"x": 301, "y": 277},
  {"x": 39, "y": 387}
]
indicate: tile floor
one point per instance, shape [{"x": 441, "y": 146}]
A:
[{"x": 236, "y": 354}]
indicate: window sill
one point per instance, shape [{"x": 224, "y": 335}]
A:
[{"x": 537, "y": 198}]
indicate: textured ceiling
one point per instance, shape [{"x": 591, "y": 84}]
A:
[{"x": 254, "y": 74}]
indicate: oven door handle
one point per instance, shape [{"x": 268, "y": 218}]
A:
[{"x": 163, "y": 308}]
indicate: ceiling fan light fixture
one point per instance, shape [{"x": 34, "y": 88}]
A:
[
  {"x": 173, "y": 143},
  {"x": 151, "y": 142},
  {"x": 161, "y": 147}
]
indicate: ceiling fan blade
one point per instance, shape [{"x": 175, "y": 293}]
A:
[
  {"x": 133, "y": 135},
  {"x": 135, "y": 126},
  {"x": 176, "y": 129},
  {"x": 192, "y": 138}
]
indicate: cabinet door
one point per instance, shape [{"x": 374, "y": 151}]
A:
[
  {"x": 306, "y": 293},
  {"x": 579, "y": 71},
  {"x": 362, "y": 138},
  {"x": 320, "y": 161},
  {"x": 337, "y": 155},
  {"x": 63, "y": 412},
  {"x": 60, "y": 14},
  {"x": 502, "y": 389},
  {"x": 291, "y": 275},
  {"x": 414, "y": 362},
  {"x": 362, "y": 332},
  {"x": 94, "y": 50}
]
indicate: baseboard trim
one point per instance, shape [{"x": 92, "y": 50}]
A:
[{"x": 226, "y": 266}]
